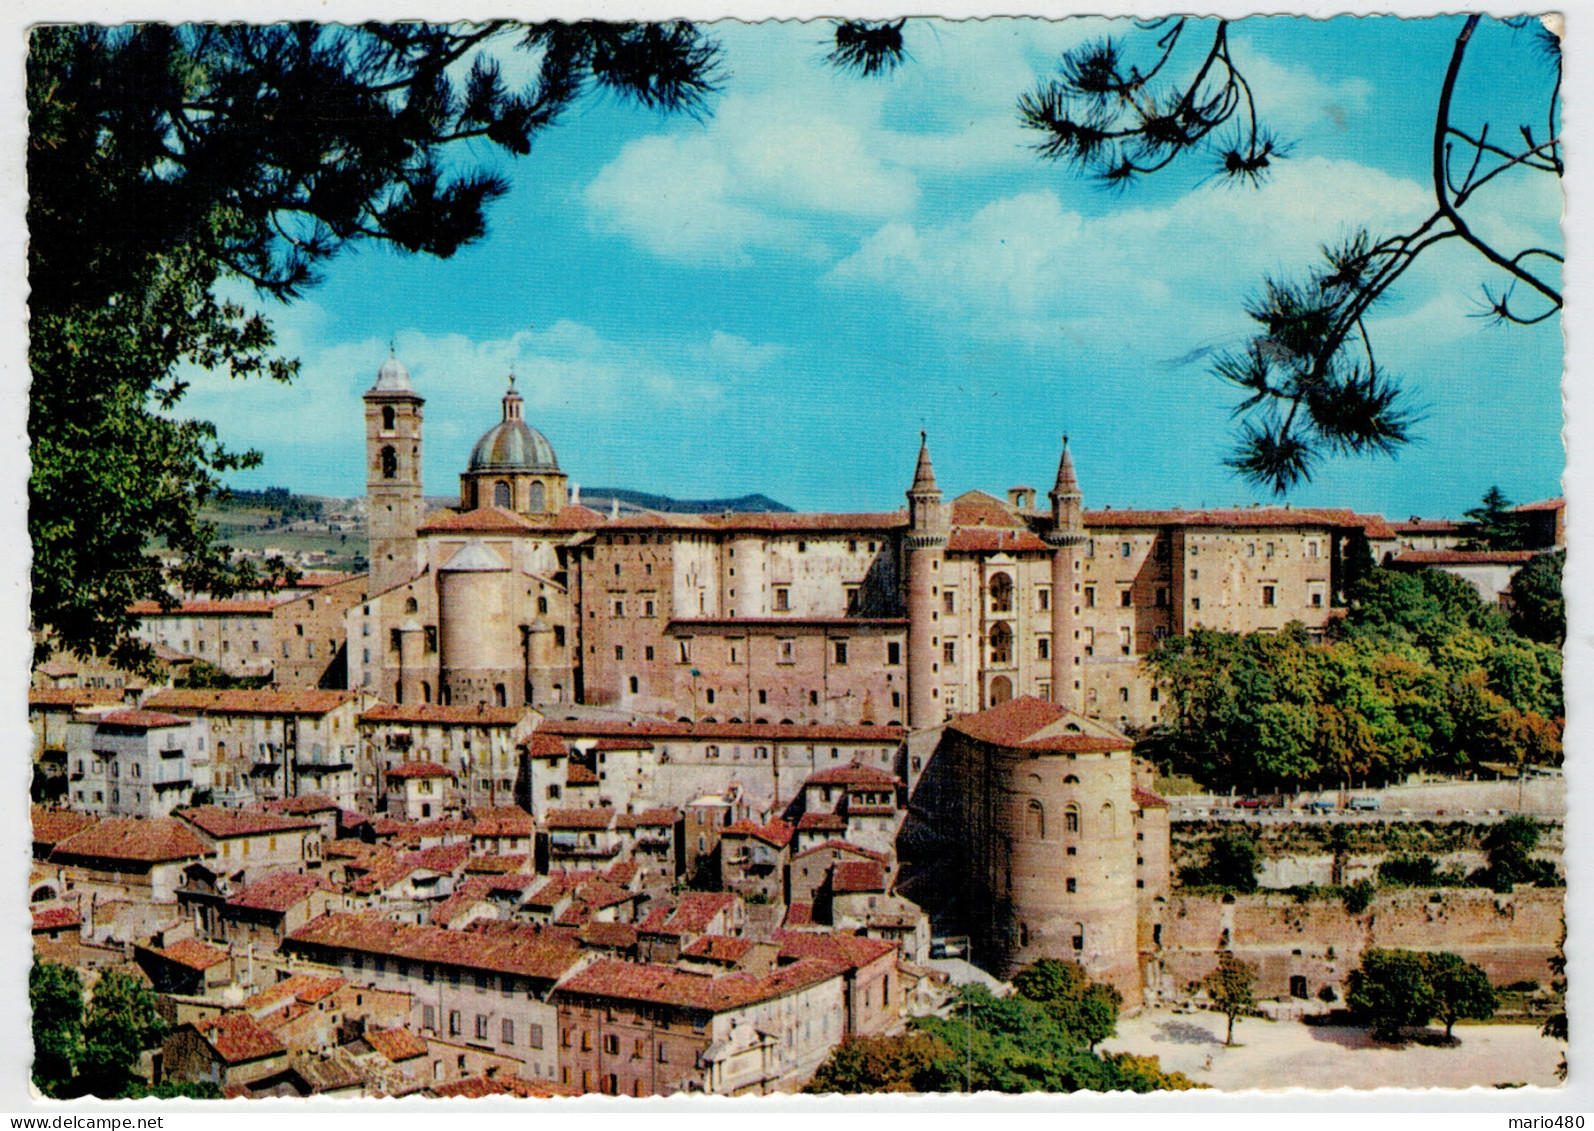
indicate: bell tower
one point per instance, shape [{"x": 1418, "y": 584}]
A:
[
  {"x": 926, "y": 553},
  {"x": 393, "y": 476},
  {"x": 1067, "y": 539}
]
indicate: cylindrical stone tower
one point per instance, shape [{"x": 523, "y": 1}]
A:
[
  {"x": 479, "y": 661},
  {"x": 925, "y": 549},
  {"x": 1066, "y": 538}
]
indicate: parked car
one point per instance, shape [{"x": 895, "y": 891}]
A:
[
  {"x": 1365, "y": 804},
  {"x": 1248, "y": 803},
  {"x": 1319, "y": 806}
]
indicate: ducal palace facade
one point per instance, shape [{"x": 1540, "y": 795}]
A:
[{"x": 521, "y": 597}]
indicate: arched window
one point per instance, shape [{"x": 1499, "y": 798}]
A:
[
  {"x": 1001, "y": 690},
  {"x": 389, "y": 463},
  {"x": 1001, "y": 643},
  {"x": 501, "y": 497},
  {"x": 410, "y": 605},
  {"x": 426, "y": 692},
  {"x": 500, "y": 695},
  {"x": 1071, "y": 779},
  {"x": 1023, "y": 934},
  {"x": 1001, "y": 593},
  {"x": 389, "y": 418},
  {"x": 1071, "y": 818},
  {"x": 1079, "y": 936},
  {"x": 539, "y": 498},
  {"x": 1109, "y": 819},
  {"x": 1034, "y": 819}
]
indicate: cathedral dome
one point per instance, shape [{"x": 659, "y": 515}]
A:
[{"x": 511, "y": 444}]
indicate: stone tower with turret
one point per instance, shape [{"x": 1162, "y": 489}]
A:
[
  {"x": 925, "y": 549},
  {"x": 393, "y": 476},
  {"x": 1067, "y": 539}
]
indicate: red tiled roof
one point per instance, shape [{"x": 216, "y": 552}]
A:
[
  {"x": 435, "y": 714},
  {"x": 601, "y": 893},
  {"x": 511, "y": 864},
  {"x": 306, "y": 988},
  {"x": 502, "y": 821},
  {"x": 982, "y": 540},
  {"x": 419, "y": 770},
  {"x": 777, "y": 833},
  {"x": 279, "y": 891},
  {"x": 857, "y": 876},
  {"x": 578, "y": 774},
  {"x": 542, "y": 744},
  {"x": 648, "y": 818},
  {"x": 203, "y": 608},
  {"x": 692, "y": 914},
  {"x": 194, "y": 954},
  {"x": 1464, "y": 557},
  {"x": 1554, "y": 504},
  {"x": 667, "y": 985},
  {"x": 620, "y": 936},
  {"x": 480, "y": 1087},
  {"x": 800, "y": 914},
  {"x": 149, "y": 841},
  {"x": 249, "y": 702},
  {"x": 483, "y": 519},
  {"x": 238, "y": 1037},
  {"x": 622, "y": 872},
  {"x": 56, "y": 918},
  {"x": 218, "y": 822},
  {"x": 1242, "y": 517},
  {"x": 1148, "y": 800},
  {"x": 842, "y": 846},
  {"x": 142, "y": 720},
  {"x": 1415, "y": 525},
  {"x": 579, "y": 818},
  {"x": 575, "y": 517},
  {"x": 51, "y": 826},
  {"x": 1016, "y": 722},
  {"x": 73, "y": 697},
  {"x": 718, "y": 948},
  {"x": 793, "y": 522},
  {"x": 830, "y": 821},
  {"x": 397, "y": 1044},
  {"x": 851, "y": 951},
  {"x": 976, "y": 508},
  {"x": 855, "y": 774},
  {"x": 576, "y": 728},
  {"x": 607, "y": 744},
  {"x": 523, "y": 951},
  {"x": 303, "y": 805}
]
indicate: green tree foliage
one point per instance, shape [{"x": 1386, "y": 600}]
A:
[
  {"x": 172, "y": 1090},
  {"x": 1087, "y": 1009},
  {"x": 209, "y": 154},
  {"x": 1538, "y": 606},
  {"x": 1461, "y": 990},
  {"x": 1310, "y": 380},
  {"x": 121, "y": 1021},
  {"x": 1232, "y": 988},
  {"x": 1494, "y": 524},
  {"x": 206, "y": 676},
  {"x": 1232, "y": 862},
  {"x": 1510, "y": 846},
  {"x": 1419, "y": 675},
  {"x": 1391, "y": 990},
  {"x": 881, "y": 1064},
  {"x": 55, "y": 995}
]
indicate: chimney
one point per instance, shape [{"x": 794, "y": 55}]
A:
[{"x": 1021, "y": 498}]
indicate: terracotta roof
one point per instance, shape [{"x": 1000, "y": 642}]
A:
[
  {"x": 987, "y": 541},
  {"x": 622, "y": 872},
  {"x": 511, "y": 864},
  {"x": 249, "y": 702},
  {"x": 306, "y": 988},
  {"x": 576, "y": 728},
  {"x": 601, "y": 893},
  {"x": 203, "y": 608},
  {"x": 578, "y": 774},
  {"x": 793, "y": 522},
  {"x": 776, "y": 833},
  {"x": 691, "y": 914},
  {"x": 523, "y": 952},
  {"x": 667, "y": 985},
  {"x": 218, "y": 822},
  {"x": 238, "y": 1037},
  {"x": 800, "y": 914},
  {"x": 142, "y": 720},
  {"x": 483, "y": 519},
  {"x": 480, "y": 1087},
  {"x": 73, "y": 697},
  {"x": 502, "y": 821},
  {"x": 1555, "y": 504},
  {"x": 843, "y": 846},
  {"x": 575, "y": 517},
  {"x": 1415, "y": 525},
  {"x": 1148, "y": 800},
  {"x": 621, "y": 936},
  {"x": 543, "y": 744},
  {"x": 579, "y": 818},
  {"x": 828, "y": 821},
  {"x": 1242, "y": 517},
  {"x": 857, "y": 876},
  {"x": 304, "y": 804},
  {"x": 855, "y": 774},
  {"x": 194, "y": 954},
  {"x": 718, "y": 948},
  {"x": 648, "y": 818},
  {"x": 397, "y": 1044},
  {"x": 279, "y": 891},
  {"x": 419, "y": 770},
  {"x": 51, "y": 826},
  {"x": 1464, "y": 557},
  {"x": 851, "y": 951},
  {"x": 149, "y": 841},
  {"x": 976, "y": 508},
  {"x": 1019, "y": 723},
  {"x": 434, "y": 714},
  {"x": 607, "y": 744},
  {"x": 56, "y": 918}
]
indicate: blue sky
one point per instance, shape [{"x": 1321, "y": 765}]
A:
[{"x": 779, "y": 297}]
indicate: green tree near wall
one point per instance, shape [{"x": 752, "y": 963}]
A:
[
  {"x": 1232, "y": 989},
  {"x": 1085, "y": 1008},
  {"x": 1400, "y": 989}
]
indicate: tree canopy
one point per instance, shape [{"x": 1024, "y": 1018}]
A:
[
  {"x": 217, "y": 152},
  {"x": 1087, "y": 1009},
  {"x": 1400, "y": 989},
  {"x": 1538, "y": 607},
  {"x": 1232, "y": 988}
]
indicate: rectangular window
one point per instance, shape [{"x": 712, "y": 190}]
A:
[
  {"x": 1043, "y": 649},
  {"x": 534, "y": 1036},
  {"x": 1270, "y": 549},
  {"x": 611, "y": 1044},
  {"x": 1123, "y": 695},
  {"x": 786, "y": 651},
  {"x": 1043, "y": 599},
  {"x": 647, "y": 608},
  {"x": 841, "y": 651},
  {"x": 893, "y": 652},
  {"x": 508, "y": 1035},
  {"x": 619, "y": 609},
  {"x": 1126, "y": 639},
  {"x": 619, "y": 651},
  {"x": 481, "y": 1026},
  {"x": 647, "y": 653},
  {"x": 1311, "y": 549},
  {"x": 1126, "y": 598},
  {"x": 1195, "y": 603},
  {"x": 430, "y": 632},
  {"x": 1125, "y": 549},
  {"x": 782, "y": 599},
  {"x": 453, "y": 1023},
  {"x": 1090, "y": 596},
  {"x": 1069, "y": 884},
  {"x": 1162, "y": 598},
  {"x": 1268, "y": 595},
  {"x": 428, "y": 1017},
  {"x": 852, "y": 601},
  {"x": 949, "y": 652},
  {"x": 683, "y": 647},
  {"x": 949, "y": 601}
]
